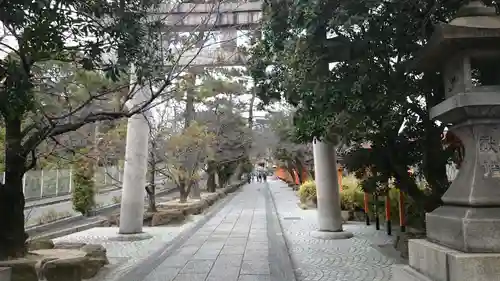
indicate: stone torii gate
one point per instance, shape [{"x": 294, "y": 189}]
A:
[{"x": 224, "y": 17}]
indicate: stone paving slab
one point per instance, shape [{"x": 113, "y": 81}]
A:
[
  {"x": 125, "y": 256},
  {"x": 232, "y": 246},
  {"x": 353, "y": 259}
]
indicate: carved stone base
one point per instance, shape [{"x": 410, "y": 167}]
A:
[
  {"x": 472, "y": 230},
  {"x": 431, "y": 262}
]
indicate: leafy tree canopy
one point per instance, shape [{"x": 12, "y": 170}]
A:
[
  {"x": 44, "y": 47},
  {"x": 366, "y": 93}
]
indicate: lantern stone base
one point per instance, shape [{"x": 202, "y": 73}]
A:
[
  {"x": 431, "y": 262},
  {"x": 467, "y": 229}
]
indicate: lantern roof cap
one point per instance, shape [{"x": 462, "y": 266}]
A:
[{"x": 475, "y": 27}]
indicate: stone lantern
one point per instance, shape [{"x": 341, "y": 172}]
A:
[{"x": 463, "y": 236}]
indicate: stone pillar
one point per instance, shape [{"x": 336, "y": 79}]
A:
[
  {"x": 134, "y": 175},
  {"x": 327, "y": 191}
]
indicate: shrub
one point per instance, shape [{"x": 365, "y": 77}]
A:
[
  {"x": 307, "y": 191},
  {"x": 84, "y": 193},
  {"x": 351, "y": 195},
  {"x": 411, "y": 212},
  {"x": 352, "y": 198},
  {"x": 116, "y": 199}
]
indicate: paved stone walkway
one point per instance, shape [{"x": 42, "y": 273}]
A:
[
  {"x": 231, "y": 246},
  {"x": 353, "y": 259},
  {"x": 240, "y": 243},
  {"x": 243, "y": 241}
]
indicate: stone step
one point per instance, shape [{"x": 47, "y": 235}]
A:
[{"x": 406, "y": 273}]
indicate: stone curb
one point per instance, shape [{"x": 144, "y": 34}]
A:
[
  {"x": 280, "y": 263},
  {"x": 34, "y": 230},
  {"x": 143, "y": 268},
  {"x": 71, "y": 230}
]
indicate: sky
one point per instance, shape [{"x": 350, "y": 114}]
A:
[
  {"x": 241, "y": 40},
  {"x": 6, "y": 40}
]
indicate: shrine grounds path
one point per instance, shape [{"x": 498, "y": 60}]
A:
[{"x": 244, "y": 242}]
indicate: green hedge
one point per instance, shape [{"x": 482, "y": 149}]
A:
[
  {"x": 83, "y": 196},
  {"x": 352, "y": 195},
  {"x": 307, "y": 191},
  {"x": 352, "y": 198}
]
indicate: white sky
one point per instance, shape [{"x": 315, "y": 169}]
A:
[
  {"x": 6, "y": 42},
  {"x": 9, "y": 42}
]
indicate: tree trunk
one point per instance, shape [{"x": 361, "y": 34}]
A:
[
  {"x": 211, "y": 185},
  {"x": 222, "y": 176},
  {"x": 151, "y": 188},
  {"x": 183, "y": 192},
  {"x": 12, "y": 235},
  {"x": 194, "y": 190},
  {"x": 407, "y": 184},
  {"x": 250, "y": 109},
  {"x": 190, "y": 113}
]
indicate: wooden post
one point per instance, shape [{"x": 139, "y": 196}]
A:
[
  {"x": 388, "y": 213},
  {"x": 377, "y": 219},
  {"x": 402, "y": 211},
  {"x": 296, "y": 177},
  {"x": 70, "y": 180},
  {"x": 367, "y": 214},
  {"x": 57, "y": 182},
  {"x": 339, "y": 174},
  {"x": 41, "y": 184}
]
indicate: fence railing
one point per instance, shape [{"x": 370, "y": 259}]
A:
[{"x": 39, "y": 184}]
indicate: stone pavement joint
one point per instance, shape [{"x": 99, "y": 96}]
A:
[{"x": 279, "y": 258}]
